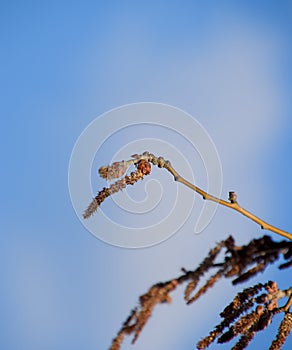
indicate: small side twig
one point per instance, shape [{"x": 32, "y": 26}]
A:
[{"x": 233, "y": 204}]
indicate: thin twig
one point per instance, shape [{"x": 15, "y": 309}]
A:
[{"x": 162, "y": 163}]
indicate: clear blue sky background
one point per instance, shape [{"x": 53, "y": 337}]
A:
[{"x": 63, "y": 63}]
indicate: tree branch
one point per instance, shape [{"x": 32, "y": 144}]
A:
[{"x": 162, "y": 163}]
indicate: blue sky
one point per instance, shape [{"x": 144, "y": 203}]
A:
[{"x": 65, "y": 63}]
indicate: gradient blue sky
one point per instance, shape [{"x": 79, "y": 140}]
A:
[{"x": 63, "y": 63}]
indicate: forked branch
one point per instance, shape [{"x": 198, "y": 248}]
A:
[{"x": 142, "y": 163}]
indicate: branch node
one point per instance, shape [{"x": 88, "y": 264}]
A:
[
  {"x": 232, "y": 197},
  {"x": 161, "y": 162}
]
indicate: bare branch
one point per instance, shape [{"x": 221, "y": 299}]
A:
[{"x": 118, "y": 168}]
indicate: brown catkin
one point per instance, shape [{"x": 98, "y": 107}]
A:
[
  {"x": 283, "y": 332},
  {"x": 108, "y": 191}
]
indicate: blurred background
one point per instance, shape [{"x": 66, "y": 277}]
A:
[{"x": 64, "y": 63}]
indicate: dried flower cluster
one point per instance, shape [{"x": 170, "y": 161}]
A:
[
  {"x": 259, "y": 253},
  {"x": 240, "y": 323},
  {"x": 116, "y": 170}
]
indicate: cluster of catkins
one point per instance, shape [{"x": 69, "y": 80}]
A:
[{"x": 240, "y": 322}]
